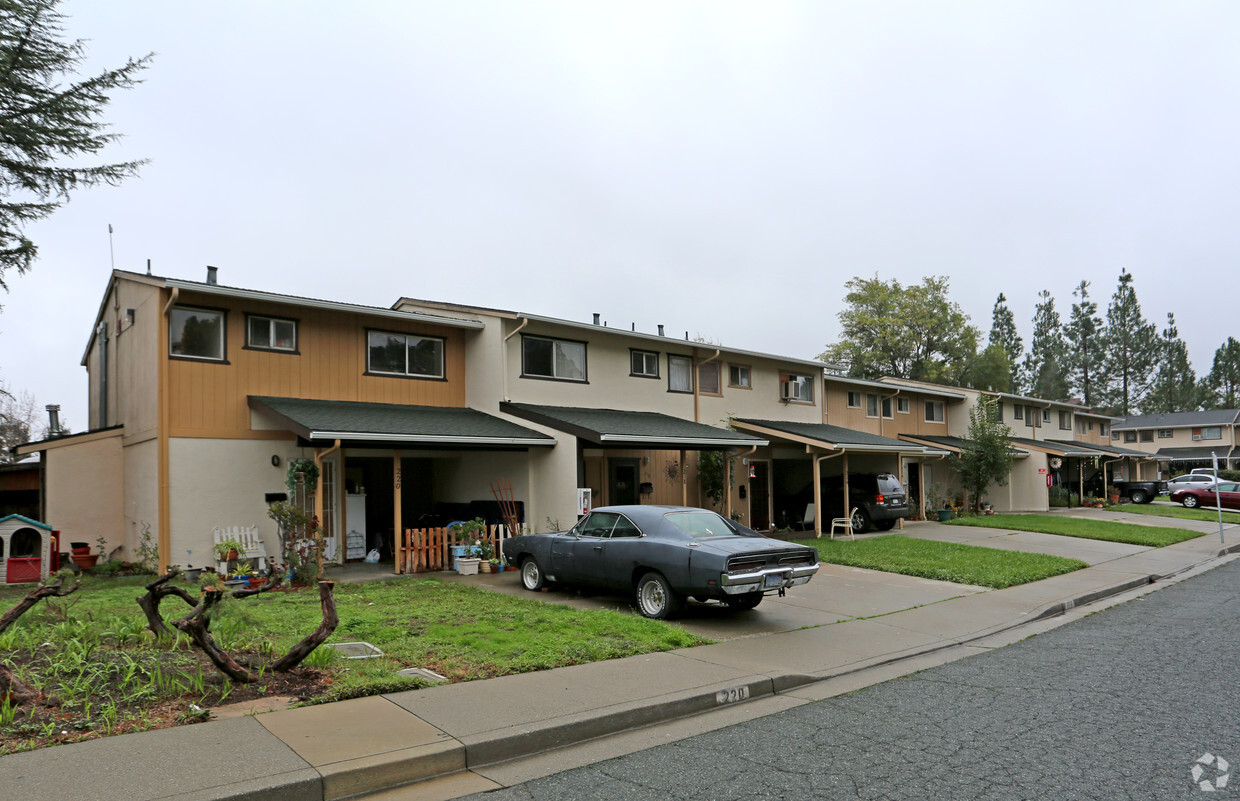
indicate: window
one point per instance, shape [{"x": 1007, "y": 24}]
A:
[
  {"x": 1080, "y": 426},
  {"x": 1018, "y": 412},
  {"x": 196, "y": 334},
  {"x": 1147, "y": 436},
  {"x": 1214, "y": 432},
  {"x": 887, "y": 408},
  {"x": 404, "y": 354},
  {"x": 854, "y": 400},
  {"x": 1104, "y": 429},
  {"x": 643, "y": 363},
  {"x": 934, "y": 411},
  {"x": 1130, "y": 436},
  {"x": 871, "y": 406},
  {"x": 559, "y": 359},
  {"x": 1046, "y": 415},
  {"x": 738, "y": 376},
  {"x": 998, "y": 411},
  {"x": 679, "y": 373},
  {"x": 708, "y": 378},
  {"x": 1065, "y": 421},
  {"x": 902, "y": 405},
  {"x": 1089, "y": 424},
  {"x": 806, "y": 382},
  {"x": 1165, "y": 433},
  {"x": 1114, "y": 436},
  {"x": 270, "y": 333},
  {"x": 1032, "y": 418}
]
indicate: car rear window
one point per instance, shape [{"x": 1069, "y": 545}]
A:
[
  {"x": 700, "y": 525},
  {"x": 890, "y": 485}
]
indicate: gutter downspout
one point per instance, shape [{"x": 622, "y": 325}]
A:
[
  {"x": 163, "y": 468},
  {"x": 818, "y": 460},
  {"x": 319, "y": 456},
  {"x": 697, "y": 375},
  {"x": 503, "y": 356},
  {"x": 881, "y": 398},
  {"x": 1106, "y": 482},
  {"x": 747, "y": 453}
]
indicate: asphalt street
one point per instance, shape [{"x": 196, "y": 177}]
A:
[{"x": 1138, "y": 701}]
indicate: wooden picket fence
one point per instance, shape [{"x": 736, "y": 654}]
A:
[{"x": 423, "y": 550}]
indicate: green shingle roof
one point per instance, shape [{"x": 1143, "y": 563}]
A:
[
  {"x": 631, "y": 429},
  {"x": 394, "y": 422},
  {"x": 836, "y": 435}
]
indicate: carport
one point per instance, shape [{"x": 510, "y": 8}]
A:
[
  {"x": 954, "y": 446},
  {"x": 1108, "y": 455},
  {"x": 822, "y": 442}
]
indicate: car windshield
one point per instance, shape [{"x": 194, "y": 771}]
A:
[{"x": 699, "y": 525}]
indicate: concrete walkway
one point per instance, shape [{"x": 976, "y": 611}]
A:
[{"x": 864, "y": 626}]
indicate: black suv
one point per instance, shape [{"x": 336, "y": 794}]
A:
[{"x": 879, "y": 498}]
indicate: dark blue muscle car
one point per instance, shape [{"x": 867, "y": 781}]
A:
[{"x": 663, "y": 554}]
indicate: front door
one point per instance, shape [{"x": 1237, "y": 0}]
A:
[
  {"x": 759, "y": 496},
  {"x": 623, "y": 481}
]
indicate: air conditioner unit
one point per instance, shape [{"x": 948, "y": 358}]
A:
[{"x": 790, "y": 390}]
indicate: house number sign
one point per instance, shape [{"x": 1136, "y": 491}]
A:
[
  {"x": 396, "y": 478},
  {"x": 732, "y": 695}
]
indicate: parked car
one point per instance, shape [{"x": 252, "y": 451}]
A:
[
  {"x": 879, "y": 498},
  {"x": 1140, "y": 491},
  {"x": 1228, "y": 496},
  {"x": 663, "y": 555},
  {"x": 1191, "y": 481}
]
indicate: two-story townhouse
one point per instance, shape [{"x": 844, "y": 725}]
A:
[{"x": 1181, "y": 441}]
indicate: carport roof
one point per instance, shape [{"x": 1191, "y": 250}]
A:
[
  {"x": 1194, "y": 454},
  {"x": 1110, "y": 450},
  {"x": 353, "y": 421},
  {"x": 628, "y": 429},
  {"x": 953, "y": 444},
  {"x": 1056, "y": 448},
  {"x": 833, "y": 437}
]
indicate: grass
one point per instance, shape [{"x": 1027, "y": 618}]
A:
[
  {"x": 93, "y": 655},
  {"x": 1152, "y": 536},
  {"x": 1211, "y": 515},
  {"x": 945, "y": 561}
]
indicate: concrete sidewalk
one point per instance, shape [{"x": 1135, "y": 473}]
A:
[{"x": 372, "y": 745}]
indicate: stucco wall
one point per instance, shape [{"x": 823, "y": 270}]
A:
[
  {"x": 85, "y": 491},
  {"x": 141, "y": 500}
]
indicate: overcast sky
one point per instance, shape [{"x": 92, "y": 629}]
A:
[{"x": 721, "y": 168}]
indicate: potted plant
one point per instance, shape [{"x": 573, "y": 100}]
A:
[
  {"x": 227, "y": 550},
  {"x": 462, "y": 536},
  {"x": 1113, "y": 494},
  {"x": 497, "y": 566}
]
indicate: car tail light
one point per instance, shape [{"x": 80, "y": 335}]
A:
[{"x": 879, "y": 499}]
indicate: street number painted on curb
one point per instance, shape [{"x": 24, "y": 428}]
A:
[{"x": 732, "y": 695}]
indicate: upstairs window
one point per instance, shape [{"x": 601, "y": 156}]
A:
[
  {"x": 1080, "y": 426},
  {"x": 196, "y": 334},
  {"x": 643, "y": 363},
  {"x": 1104, "y": 429},
  {"x": 871, "y": 405},
  {"x": 854, "y": 400},
  {"x": 1046, "y": 415},
  {"x": 934, "y": 411},
  {"x": 708, "y": 378},
  {"x": 1018, "y": 412},
  {"x": 738, "y": 376},
  {"x": 679, "y": 373},
  {"x": 1165, "y": 433},
  {"x": 1130, "y": 436},
  {"x": 807, "y": 386},
  {"x": 1065, "y": 421},
  {"x": 1147, "y": 435},
  {"x": 557, "y": 359},
  {"x": 404, "y": 354},
  {"x": 271, "y": 333},
  {"x": 1214, "y": 432},
  {"x": 902, "y": 405}
]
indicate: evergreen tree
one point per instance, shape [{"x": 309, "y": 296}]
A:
[
  {"x": 989, "y": 370},
  {"x": 1003, "y": 333},
  {"x": 1044, "y": 374},
  {"x": 1223, "y": 382},
  {"x": 1131, "y": 351},
  {"x": 48, "y": 126},
  {"x": 1084, "y": 335},
  {"x": 1175, "y": 383}
]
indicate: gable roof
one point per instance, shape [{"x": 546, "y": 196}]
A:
[{"x": 1214, "y": 417}]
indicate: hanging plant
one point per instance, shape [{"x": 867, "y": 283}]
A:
[{"x": 305, "y": 466}]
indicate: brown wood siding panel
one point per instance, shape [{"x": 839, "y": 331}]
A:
[{"x": 209, "y": 399}]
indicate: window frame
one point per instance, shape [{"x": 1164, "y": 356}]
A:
[
  {"x": 633, "y": 352},
  {"x": 296, "y": 349},
  {"x": 443, "y": 356},
  {"x": 223, "y": 315},
  {"x": 849, "y": 400},
  {"x": 585, "y": 359},
  {"x": 1166, "y": 433},
  {"x": 718, "y": 392},
  {"x": 903, "y": 406},
  {"x": 748, "y": 376},
  {"x": 871, "y": 405},
  {"x": 1145, "y": 435},
  {"x": 1065, "y": 421},
  {"x": 691, "y": 372},
  {"x": 806, "y": 385},
  {"x": 936, "y": 406},
  {"x": 1018, "y": 412}
]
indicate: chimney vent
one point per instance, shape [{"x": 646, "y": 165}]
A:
[
  {"x": 634, "y": 328},
  {"x": 53, "y": 420},
  {"x": 660, "y": 329},
  {"x": 596, "y": 318},
  {"x": 211, "y": 275}
]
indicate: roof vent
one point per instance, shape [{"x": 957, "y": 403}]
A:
[
  {"x": 53, "y": 420},
  {"x": 660, "y": 329},
  {"x": 211, "y": 275},
  {"x": 596, "y": 318}
]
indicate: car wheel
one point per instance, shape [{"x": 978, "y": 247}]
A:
[
  {"x": 860, "y": 522},
  {"x": 532, "y": 576},
  {"x": 655, "y": 597},
  {"x": 1190, "y": 501},
  {"x": 1139, "y": 496},
  {"x": 743, "y": 603},
  {"x": 885, "y": 525}
]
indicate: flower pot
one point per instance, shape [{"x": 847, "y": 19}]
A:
[
  {"x": 468, "y": 565},
  {"x": 945, "y": 515},
  {"x": 256, "y": 581},
  {"x": 484, "y": 567},
  {"x": 1113, "y": 498},
  {"x": 85, "y": 560}
]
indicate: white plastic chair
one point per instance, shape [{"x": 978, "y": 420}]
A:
[{"x": 844, "y": 523}]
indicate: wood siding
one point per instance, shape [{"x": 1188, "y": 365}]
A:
[{"x": 208, "y": 399}]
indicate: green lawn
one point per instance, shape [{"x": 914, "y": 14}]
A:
[
  {"x": 93, "y": 653},
  {"x": 1230, "y": 518},
  {"x": 945, "y": 561},
  {"x": 1130, "y": 533}
]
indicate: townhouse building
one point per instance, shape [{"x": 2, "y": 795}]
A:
[{"x": 1181, "y": 441}]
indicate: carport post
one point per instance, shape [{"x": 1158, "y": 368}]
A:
[
  {"x": 817, "y": 496},
  {"x": 847, "y": 508},
  {"x": 684, "y": 481},
  {"x": 396, "y": 538}
]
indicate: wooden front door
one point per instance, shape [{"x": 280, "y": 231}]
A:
[{"x": 623, "y": 481}]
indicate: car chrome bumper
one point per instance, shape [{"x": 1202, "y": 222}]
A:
[{"x": 766, "y": 579}]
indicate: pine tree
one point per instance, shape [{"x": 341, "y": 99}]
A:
[
  {"x": 1131, "y": 351},
  {"x": 1223, "y": 381},
  {"x": 47, "y": 126},
  {"x": 1044, "y": 375},
  {"x": 1084, "y": 335},
  {"x": 1175, "y": 383},
  {"x": 1003, "y": 333}
]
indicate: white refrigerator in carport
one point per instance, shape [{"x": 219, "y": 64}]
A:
[{"x": 355, "y": 519}]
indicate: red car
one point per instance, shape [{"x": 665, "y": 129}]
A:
[{"x": 1228, "y": 496}]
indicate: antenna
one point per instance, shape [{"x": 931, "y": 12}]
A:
[{"x": 111, "y": 250}]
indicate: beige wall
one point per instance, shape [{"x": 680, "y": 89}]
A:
[
  {"x": 913, "y": 422},
  {"x": 1026, "y": 489},
  {"x": 132, "y": 364},
  {"x": 141, "y": 500},
  {"x": 84, "y": 491}
]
